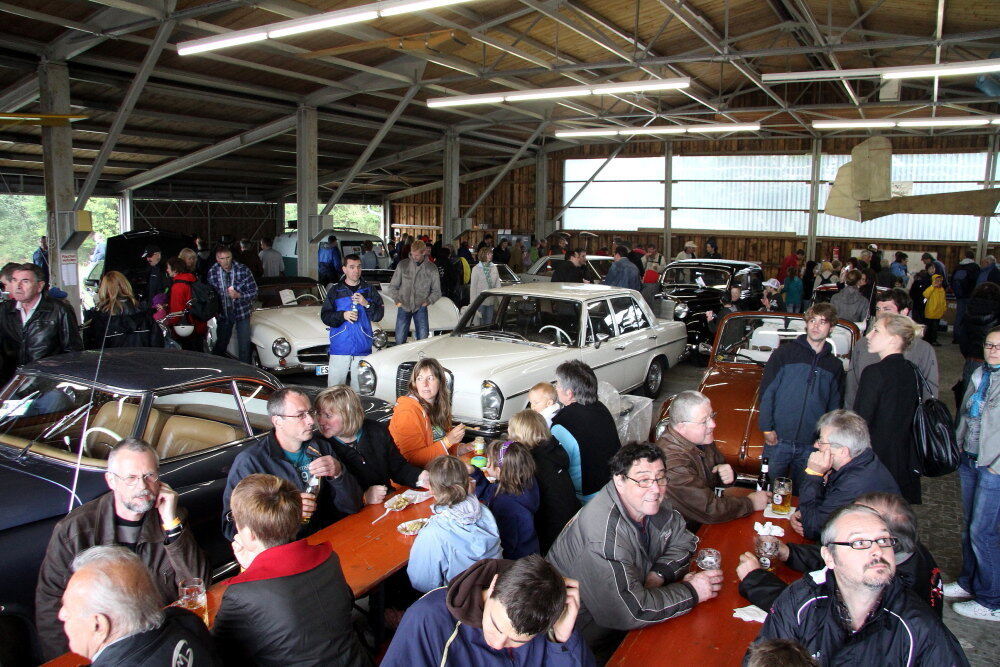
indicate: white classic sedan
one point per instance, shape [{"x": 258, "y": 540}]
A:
[{"x": 535, "y": 327}]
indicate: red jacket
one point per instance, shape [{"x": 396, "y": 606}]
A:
[{"x": 180, "y": 294}]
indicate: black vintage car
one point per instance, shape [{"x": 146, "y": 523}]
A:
[
  {"x": 695, "y": 286},
  {"x": 59, "y": 418}
]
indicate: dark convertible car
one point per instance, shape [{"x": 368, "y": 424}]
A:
[
  {"x": 695, "y": 286},
  {"x": 59, "y": 418}
]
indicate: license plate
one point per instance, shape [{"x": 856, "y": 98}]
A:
[{"x": 322, "y": 370}]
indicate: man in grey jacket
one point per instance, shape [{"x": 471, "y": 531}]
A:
[
  {"x": 415, "y": 285},
  {"x": 630, "y": 552},
  {"x": 850, "y": 303},
  {"x": 897, "y": 300}
]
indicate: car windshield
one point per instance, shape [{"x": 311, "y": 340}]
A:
[
  {"x": 752, "y": 338},
  {"x": 48, "y": 411},
  {"x": 507, "y": 277},
  {"x": 696, "y": 275},
  {"x": 291, "y": 294},
  {"x": 524, "y": 318},
  {"x": 601, "y": 267},
  {"x": 356, "y": 247}
]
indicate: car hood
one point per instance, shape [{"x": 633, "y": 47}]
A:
[
  {"x": 482, "y": 358},
  {"x": 688, "y": 292},
  {"x": 33, "y": 489},
  {"x": 734, "y": 392},
  {"x": 293, "y": 322}
]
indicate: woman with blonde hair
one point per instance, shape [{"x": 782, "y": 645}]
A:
[
  {"x": 190, "y": 259},
  {"x": 484, "y": 276},
  {"x": 887, "y": 400},
  {"x": 117, "y": 319},
  {"x": 421, "y": 421},
  {"x": 825, "y": 276},
  {"x": 364, "y": 445},
  {"x": 558, "y": 502}
]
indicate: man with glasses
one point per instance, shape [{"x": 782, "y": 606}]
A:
[
  {"x": 329, "y": 492},
  {"x": 842, "y": 468},
  {"x": 140, "y": 514},
  {"x": 800, "y": 383},
  {"x": 694, "y": 466},
  {"x": 856, "y": 611},
  {"x": 630, "y": 552}
]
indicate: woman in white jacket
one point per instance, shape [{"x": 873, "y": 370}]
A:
[{"x": 484, "y": 276}]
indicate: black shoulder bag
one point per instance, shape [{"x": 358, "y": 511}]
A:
[{"x": 933, "y": 433}]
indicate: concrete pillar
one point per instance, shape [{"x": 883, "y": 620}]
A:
[
  {"x": 542, "y": 226},
  {"x": 306, "y": 189},
  {"x": 983, "y": 242},
  {"x": 451, "y": 224},
  {"x": 125, "y": 222},
  {"x": 817, "y": 145},
  {"x": 668, "y": 191},
  {"x": 57, "y": 156},
  {"x": 386, "y": 218}
]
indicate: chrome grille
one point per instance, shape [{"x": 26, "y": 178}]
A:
[
  {"x": 405, "y": 370},
  {"x": 317, "y": 354}
]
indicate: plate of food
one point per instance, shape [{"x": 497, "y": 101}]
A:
[
  {"x": 397, "y": 502},
  {"x": 412, "y": 527}
]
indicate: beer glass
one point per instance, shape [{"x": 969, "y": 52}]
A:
[
  {"x": 708, "y": 559},
  {"x": 781, "y": 496},
  {"x": 194, "y": 598},
  {"x": 767, "y": 550}
]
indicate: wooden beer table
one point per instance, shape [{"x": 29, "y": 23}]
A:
[
  {"x": 369, "y": 554},
  {"x": 709, "y": 635}
]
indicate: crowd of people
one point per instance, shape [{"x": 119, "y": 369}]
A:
[{"x": 565, "y": 538}]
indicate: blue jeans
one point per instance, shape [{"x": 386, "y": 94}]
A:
[
  {"x": 788, "y": 459},
  {"x": 403, "y": 317},
  {"x": 960, "y": 306},
  {"x": 486, "y": 314},
  {"x": 981, "y": 533},
  {"x": 224, "y": 331}
]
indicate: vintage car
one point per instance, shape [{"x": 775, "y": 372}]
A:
[
  {"x": 691, "y": 287},
  {"x": 350, "y": 241},
  {"x": 535, "y": 327},
  {"x": 743, "y": 344},
  {"x": 541, "y": 270},
  {"x": 60, "y": 416}
]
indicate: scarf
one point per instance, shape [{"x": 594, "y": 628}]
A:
[
  {"x": 979, "y": 396},
  {"x": 489, "y": 279}
]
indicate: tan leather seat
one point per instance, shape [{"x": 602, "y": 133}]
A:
[
  {"x": 118, "y": 418},
  {"x": 185, "y": 435}
]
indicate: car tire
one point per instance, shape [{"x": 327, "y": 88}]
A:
[
  {"x": 652, "y": 384},
  {"x": 254, "y": 357}
]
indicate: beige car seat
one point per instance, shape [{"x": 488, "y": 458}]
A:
[
  {"x": 114, "y": 421},
  {"x": 185, "y": 435}
]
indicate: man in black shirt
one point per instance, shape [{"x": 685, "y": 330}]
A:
[{"x": 573, "y": 270}]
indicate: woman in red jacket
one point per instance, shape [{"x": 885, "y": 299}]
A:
[{"x": 180, "y": 293}]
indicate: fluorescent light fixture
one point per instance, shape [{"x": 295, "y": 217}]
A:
[
  {"x": 221, "y": 42},
  {"x": 996, "y": 121},
  {"x": 947, "y": 69},
  {"x": 661, "y": 129},
  {"x": 944, "y": 122},
  {"x": 823, "y": 75},
  {"x": 309, "y": 23},
  {"x": 564, "y": 91},
  {"x": 847, "y": 124}
]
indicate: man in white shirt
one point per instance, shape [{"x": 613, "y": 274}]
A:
[{"x": 270, "y": 259}]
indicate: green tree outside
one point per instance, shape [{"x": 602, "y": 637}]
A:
[
  {"x": 22, "y": 221},
  {"x": 362, "y": 217}
]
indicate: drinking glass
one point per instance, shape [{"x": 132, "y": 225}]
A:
[
  {"x": 781, "y": 496},
  {"x": 767, "y": 548},
  {"x": 708, "y": 559},
  {"x": 194, "y": 597}
]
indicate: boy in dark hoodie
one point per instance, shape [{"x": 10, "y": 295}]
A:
[{"x": 497, "y": 612}]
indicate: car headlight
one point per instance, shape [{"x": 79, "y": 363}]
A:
[
  {"x": 491, "y": 399},
  {"x": 681, "y": 310},
  {"x": 380, "y": 339},
  {"x": 281, "y": 348},
  {"x": 661, "y": 428},
  {"x": 366, "y": 378}
]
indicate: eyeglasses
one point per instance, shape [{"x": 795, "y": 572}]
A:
[
  {"x": 702, "y": 422},
  {"x": 648, "y": 482},
  {"x": 132, "y": 480},
  {"x": 861, "y": 545},
  {"x": 828, "y": 444},
  {"x": 991, "y": 346},
  {"x": 299, "y": 416}
]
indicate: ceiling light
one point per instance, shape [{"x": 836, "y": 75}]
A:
[
  {"x": 846, "y": 124},
  {"x": 669, "y": 129},
  {"x": 822, "y": 75},
  {"x": 588, "y": 133},
  {"x": 947, "y": 69},
  {"x": 662, "y": 129},
  {"x": 943, "y": 122},
  {"x": 309, "y": 23},
  {"x": 724, "y": 127},
  {"x": 564, "y": 91}
]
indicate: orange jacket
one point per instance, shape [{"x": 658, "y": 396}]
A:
[{"x": 411, "y": 430}]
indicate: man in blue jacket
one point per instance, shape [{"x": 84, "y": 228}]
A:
[
  {"x": 842, "y": 468},
  {"x": 623, "y": 272},
  {"x": 496, "y": 613},
  {"x": 349, "y": 310},
  {"x": 801, "y": 383}
]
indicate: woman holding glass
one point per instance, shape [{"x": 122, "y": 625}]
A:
[
  {"x": 484, "y": 276},
  {"x": 421, "y": 421},
  {"x": 979, "y": 437}
]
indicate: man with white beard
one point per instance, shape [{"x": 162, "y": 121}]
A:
[{"x": 124, "y": 517}]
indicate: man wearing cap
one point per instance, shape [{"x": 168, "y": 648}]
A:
[
  {"x": 771, "y": 299},
  {"x": 688, "y": 251},
  {"x": 156, "y": 280}
]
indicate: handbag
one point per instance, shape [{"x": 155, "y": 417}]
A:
[{"x": 933, "y": 433}]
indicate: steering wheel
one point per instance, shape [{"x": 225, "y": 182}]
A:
[
  {"x": 97, "y": 429},
  {"x": 569, "y": 341},
  {"x": 311, "y": 296}
]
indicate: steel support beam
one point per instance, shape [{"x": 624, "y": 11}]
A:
[
  {"x": 125, "y": 212},
  {"x": 814, "y": 171},
  {"x": 57, "y": 151},
  {"x": 989, "y": 181},
  {"x": 542, "y": 195},
  {"x": 668, "y": 196},
  {"x": 19, "y": 95},
  {"x": 450, "y": 189},
  {"x": 306, "y": 196},
  {"x": 506, "y": 169},
  {"x": 372, "y": 146},
  {"x": 248, "y": 138},
  {"x": 128, "y": 103}
]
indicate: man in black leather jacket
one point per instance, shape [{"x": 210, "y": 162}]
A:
[{"x": 33, "y": 325}]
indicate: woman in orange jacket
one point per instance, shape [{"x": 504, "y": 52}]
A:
[{"x": 421, "y": 421}]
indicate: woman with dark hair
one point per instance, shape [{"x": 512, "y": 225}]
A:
[
  {"x": 512, "y": 495},
  {"x": 421, "y": 421},
  {"x": 502, "y": 252},
  {"x": 182, "y": 277},
  {"x": 117, "y": 320},
  {"x": 981, "y": 315},
  {"x": 712, "y": 249}
]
